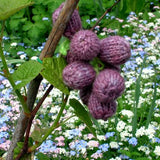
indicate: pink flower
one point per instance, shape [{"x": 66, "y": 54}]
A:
[
  {"x": 4, "y": 129},
  {"x": 93, "y": 143},
  {"x": 5, "y": 145},
  {"x": 96, "y": 155},
  {"x": 90, "y": 136},
  {"x": 82, "y": 127},
  {"x": 61, "y": 138},
  {"x": 120, "y": 20},
  {"x": 60, "y": 141}
]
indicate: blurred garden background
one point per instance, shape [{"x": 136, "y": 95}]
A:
[{"x": 133, "y": 133}]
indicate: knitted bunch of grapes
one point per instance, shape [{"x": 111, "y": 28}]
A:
[{"x": 100, "y": 89}]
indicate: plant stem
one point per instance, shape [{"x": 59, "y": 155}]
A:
[
  {"x": 137, "y": 95},
  {"x": 9, "y": 77},
  {"x": 151, "y": 110},
  {"x": 108, "y": 10},
  {"x": 33, "y": 113},
  {"x": 50, "y": 130}
]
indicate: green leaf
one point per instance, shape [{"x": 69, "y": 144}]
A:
[
  {"x": 53, "y": 68},
  {"x": 81, "y": 112},
  {"x": 64, "y": 46},
  {"x": 42, "y": 156},
  {"x": 10, "y": 7},
  {"x": 38, "y": 133},
  {"x": 12, "y": 61},
  {"x": 26, "y": 72}
]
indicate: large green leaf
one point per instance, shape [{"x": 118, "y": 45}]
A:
[
  {"x": 42, "y": 156},
  {"x": 53, "y": 68},
  {"x": 37, "y": 134},
  {"x": 13, "y": 61},
  {"x": 9, "y": 7},
  {"x": 26, "y": 72},
  {"x": 81, "y": 112}
]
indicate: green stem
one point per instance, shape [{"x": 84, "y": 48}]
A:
[
  {"x": 137, "y": 96},
  {"x": 8, "y": 76},
  {"x": 51, "y": 129},
  {"x": 2, "y": 75},
  {"x": 151, "y": 110}
]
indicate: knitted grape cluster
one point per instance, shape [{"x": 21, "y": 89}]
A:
[{"x": 98, "y": 90}]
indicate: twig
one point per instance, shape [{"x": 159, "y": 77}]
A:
[
  {"x": 54, "y": 126},
  {"x": 25, "y": 146},
  {"x": 108, "y": 10}
]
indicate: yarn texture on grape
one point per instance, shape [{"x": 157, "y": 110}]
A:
[
  {"x": 85, "y": 45},
  {"x": 78, "y": 75},
  {"x": 115, "y": 50},
  {"x": 101, "y": 110},
  {"x": 108, "y": 85}
]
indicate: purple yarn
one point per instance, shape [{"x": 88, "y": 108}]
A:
[
  {"x": 108, "y": 85},
  {"x": 71, "y": 57},
  {"x": 101, "y": 110},
  {"x": 74, "y": 24},
  {"x": 85, "y": 94},
  {"x": 78, "y": 75},
  {"x": 115, "y": 50},
  {"x": 85, "y": 45}
]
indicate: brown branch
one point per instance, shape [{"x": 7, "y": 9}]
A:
[
  {"x": 48, "y": 51},
  {"x": 35, "y": 110},
  {"x": 107, "y": 11},
  {"x": 23, "y": 119}
]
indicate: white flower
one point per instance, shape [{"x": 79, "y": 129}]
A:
[
  {"x": 101, "y": 137},
  {"x": 157, "y": 150},
  {"x": 117, "y": 158},
  {"x": 14, "y": 44},
  {"x": 114, "y": 145},
  {"x": 124, "y": 135},
  {"x": 22, "y": 56},
  {"x": 127, "y": 113},
  {"x": 144, "y": 149},
  {"x": 103, "y": 34},
  {"x": 150, "y": 131},
  {"x": 34, "y": 58},
  {"x": 128, "y": 128},
  {"x": 151, "y": 14},
  {"x": 120, "y": 126},
  {"x": 140, "y": 132}
]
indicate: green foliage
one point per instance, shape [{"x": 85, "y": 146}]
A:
[
  {"x": 63, "y": 47},
  {"x": 26, "y": 72},
  {"x": 38, "y": 133},
  {"x": 13, "y": 61},
  {"x": 81, "y": 112},
  {"x": 42, "y": 156},
  {"x": 52, "y": 72},
  {"x": 17, "y": 150},
  {"x": 9, "y": 8}
]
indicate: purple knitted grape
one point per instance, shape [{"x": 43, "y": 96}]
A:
[
  {"x": 115, "y": 50},
  {"x": 71, "y": 57},
  {"x": 101, "y": 110},
  {"x": 85, "y": 94},
  {"x": 85, "y": 45},
  {"x": 78, "y": 75},
  {"x": 108, "y": 85},
  {"x": 74, "y": 24}
]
